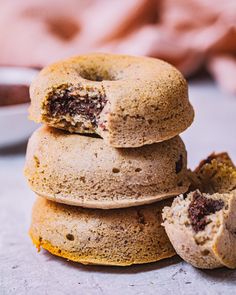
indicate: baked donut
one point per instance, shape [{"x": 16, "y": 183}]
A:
[
  {"x": 108, "y": 237},
  {"x": 202, "y": 228},
  {"x": 129, "y": 101},
  {"x": 84, "y": 171}
]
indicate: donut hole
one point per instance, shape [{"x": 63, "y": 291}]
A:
[{"x": 97, "y": 75}]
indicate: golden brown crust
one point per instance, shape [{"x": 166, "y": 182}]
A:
[
  {"x": 147, "y": 99},
  {"x": 92, "y": 236}
]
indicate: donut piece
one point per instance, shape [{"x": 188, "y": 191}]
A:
[
  {"x": 84, "y": 171},
  {"x": 216, "y": 173},
  {"x": 129, "y": 101},
  {"x": 107, "y": 237},
  {"x": 202, "y": 229}
]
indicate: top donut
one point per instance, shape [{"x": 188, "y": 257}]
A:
[{"x": 129, "y": 101}]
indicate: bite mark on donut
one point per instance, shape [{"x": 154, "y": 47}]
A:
[
  {"x": 200, "y": 207},
  {"x": 77, "y": 105}
]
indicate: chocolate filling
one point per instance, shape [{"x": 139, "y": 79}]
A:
[
  {"x": 200, "y": 207},
  {"x": 75, "y": 101},
  {"x": 179, "y": 164}
]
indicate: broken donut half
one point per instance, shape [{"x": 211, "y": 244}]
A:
[
  {"x": 202, "y": 228},
  {"x": 202, "y": 224}
]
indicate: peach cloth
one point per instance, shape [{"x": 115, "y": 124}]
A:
[{"x": 188, "y": 33}]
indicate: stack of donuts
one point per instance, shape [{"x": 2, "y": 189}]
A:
[{"x": 107, "y": 158}]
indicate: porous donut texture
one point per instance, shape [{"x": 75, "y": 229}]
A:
[
  {"x": 129, "y": 101},
  {"x": 202, "y": 228},
  {"x": 107, "y": 237},
  {"x": 84, "y": 171}
]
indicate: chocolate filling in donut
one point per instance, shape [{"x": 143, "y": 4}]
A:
[
  {"x": 179, "y": 164},
  {"x": 200, "y": 207},
  {"x": 78, "y": 104}
]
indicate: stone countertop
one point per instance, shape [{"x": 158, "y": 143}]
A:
[{"x": 24, "y": 271}]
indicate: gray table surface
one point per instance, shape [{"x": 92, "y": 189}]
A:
[{"x": 24, "y": 271}]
